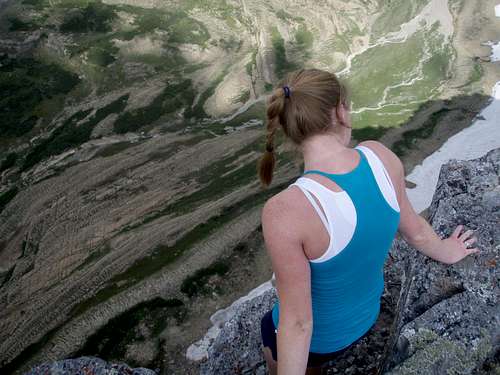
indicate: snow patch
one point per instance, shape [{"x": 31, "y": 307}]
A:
[
  {"x": 495, "y": 50},
  {"x": 470, "y": 143}
]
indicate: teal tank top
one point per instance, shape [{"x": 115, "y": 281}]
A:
[{"x": 346, "y": 289}]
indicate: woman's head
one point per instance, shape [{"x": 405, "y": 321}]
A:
[{"x": 307, "y": 102}]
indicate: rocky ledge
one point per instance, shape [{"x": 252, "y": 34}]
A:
[
  {"x": 86, "y": 366},
  {"x": 435, "y": 318}
]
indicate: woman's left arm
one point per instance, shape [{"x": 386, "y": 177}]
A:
[{"x": 291, "y": 267}]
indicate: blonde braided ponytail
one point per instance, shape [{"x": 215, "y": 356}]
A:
[{"x": 275, "y": 107}]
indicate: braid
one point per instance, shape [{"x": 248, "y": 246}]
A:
[{"x": 266, "y": 164}]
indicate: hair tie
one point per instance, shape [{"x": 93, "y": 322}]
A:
[
  {"x": 269, "y": 148},
  {"x": 287, "y": 91}
]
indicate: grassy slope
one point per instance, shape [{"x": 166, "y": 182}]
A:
[{"x": 391, "y": 65}]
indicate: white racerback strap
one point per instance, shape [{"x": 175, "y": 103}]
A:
[
  {"x": 381, "y": 176},
  {"x": 339, "y": 215},
  {"x": 315, "y": 205}
]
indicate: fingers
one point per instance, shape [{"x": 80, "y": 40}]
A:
[
  {"x": 465, "y": 235},
  {"x": 470, "y": 241},
  {"x": 472, "y": 251},
  {"x": 457, "y": 231}
]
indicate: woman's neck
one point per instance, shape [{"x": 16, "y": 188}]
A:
[{"x": 320, "y": 150}]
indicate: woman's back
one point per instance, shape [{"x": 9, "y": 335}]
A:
[
  {"x": 347, "y": 279},
  {"x": 327, "y": 301}
]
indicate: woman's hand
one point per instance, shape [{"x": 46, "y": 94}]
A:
[
  {"x": 457, "y": 246},
  {"x": 413, "y": 227}
]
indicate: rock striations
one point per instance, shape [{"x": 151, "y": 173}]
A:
[{"x": 446, "y": 317}]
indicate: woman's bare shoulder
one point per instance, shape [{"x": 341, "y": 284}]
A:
[
  {"x": 283, "y": 224},
  {"x": 285, "y": 209},
  {"x": 285, "y": 202}
]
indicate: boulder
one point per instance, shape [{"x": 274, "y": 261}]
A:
[
  {"x": 87, "y": 365},
  {"x": 450, "y": 322}
]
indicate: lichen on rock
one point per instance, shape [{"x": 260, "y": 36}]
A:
[
  {"x": 87, "y": 365},
  {"x": 451, "y": 319}
]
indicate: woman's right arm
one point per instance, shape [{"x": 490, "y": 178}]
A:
[
  {"x": 413, "y": 227},
  {"x": 282, "y": 231}
]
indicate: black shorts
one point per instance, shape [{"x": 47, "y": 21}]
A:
[{"x": 268, "y": 332}]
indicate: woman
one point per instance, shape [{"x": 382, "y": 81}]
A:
[{"x": 329, "y": 232}]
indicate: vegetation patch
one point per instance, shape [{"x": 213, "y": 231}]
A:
[
  {"x": 8, "y": 162},
  {"x": 29, "y": 352},
  {"x": 388, "y": 65},
  {"x": 401, "y": 76},
  {"x": 7, "y": 196},
  {"x": 92, "y": 41},
  {"x": 230, "y": 44},
  {"x": 198, "y": 283},
  {"x": 170, "y": 60},
  {"x": 71, "y": 134},
  {"x": 25, "y": 83},
  {"x": 197, "y": 111},
  {"x": 304, "y": 38},
  {"x": 101, "y": 57},
  {"x": 369, "y": 132},
  {"x": 185, "y": 29},
  {"x": 173, "y": 98},
  {"x": 251, "y": 65},
  {"x": 477, "y": 73},
  {"x": 17, "y": 24},
  {"x": 38, "y": 4},
  {"x": 181, "y": 28},
  {"x": 286, "y": 17},
  {"x": 339, "y": 44},
  {"x": 217, "y": 8},
  {"x": 144, "y": 321},
  {"x": 29, "y": 248},
  {"x": 94, "y": 17},
  {"x": 95, "y": 256},
  {"x": 7, "y": 276},
  {"x": 395, "y": 13},
  {"x": 410, "y": 137},
  {"x": 243, "y": 97},
  {"x": 282, "y": 65}
]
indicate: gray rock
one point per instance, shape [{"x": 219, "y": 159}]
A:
[
  {"x": 87, "y": 365},
  {"x": 451, "y": 318},
  {"x": 237, "y": 349}
]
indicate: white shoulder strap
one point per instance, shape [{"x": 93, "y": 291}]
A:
[
  {"x": 382, "y": 177},
  {"x": 314, "y": 204},
  {"x": 338, "y": 215}
]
